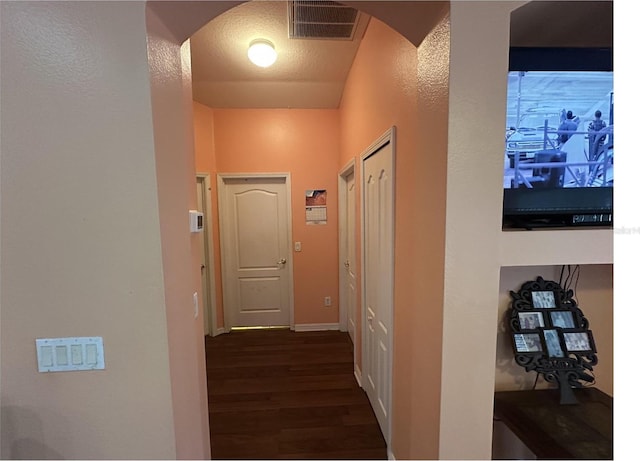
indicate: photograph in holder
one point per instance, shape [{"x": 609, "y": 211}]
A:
[
  {"x": 562, "y": 319},
  {"x": 543, "y": 299},
  {"x": 577, "y": 341},
  {"x": 552, "y": 340},
  {"x": 530, "y": 320},
  {"x": 527, "y": 342}
]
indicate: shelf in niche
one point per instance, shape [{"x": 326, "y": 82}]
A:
[{"x": 556, "y": 247}]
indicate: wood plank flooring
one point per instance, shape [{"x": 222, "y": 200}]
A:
[{"x": 278, "y": 394}]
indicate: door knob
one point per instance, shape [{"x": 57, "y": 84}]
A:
[
  {"x": 370, "y": 318},
  {"x": 282, "y": 261},
  {"x": 346, "y": 264}
]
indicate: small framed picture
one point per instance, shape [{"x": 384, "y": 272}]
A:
[
  {"x": 527, "y": 342},
  {"x": 579, "y": 341},
  {"x": 552, "y": 340},
  {"x": 562, "y": 319},
  {"x": 530, "y": 320},
  {"x": 543, "y": 299}
]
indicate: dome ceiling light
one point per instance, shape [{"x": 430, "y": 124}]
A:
[{"x": 262, "y": 53}]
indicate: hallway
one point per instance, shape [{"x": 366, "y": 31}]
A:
[{"x": 278, "y": 394}]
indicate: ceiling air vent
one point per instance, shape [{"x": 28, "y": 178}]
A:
[{"x": 322, "y": 20}]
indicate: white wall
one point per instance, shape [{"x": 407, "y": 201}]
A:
[
  {"x": 476, "y": 247},
  {"x": 81, "y": 250},
  {"x": 479, "y": 54}
]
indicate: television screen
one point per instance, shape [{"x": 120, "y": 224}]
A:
[{"x": 559, "y": 137}]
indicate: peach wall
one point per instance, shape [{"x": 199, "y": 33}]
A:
[
  {"x": 306, "y": 144},
  {"x": 425, "y": 273},
  {"x": 206, "y": 163},
  {"x": 170, "y": 72},
  {"x": 203, "y": 138},
  {"x": 381, "y": 91},
  {"x": 377, "y": 96}
]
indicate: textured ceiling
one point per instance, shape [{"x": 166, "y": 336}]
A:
[{"x": 311, "y": 73}]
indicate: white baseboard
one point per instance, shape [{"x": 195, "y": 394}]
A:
[
  {"x": 317, "y": 326},
  {"x": 358, "y": 374}
]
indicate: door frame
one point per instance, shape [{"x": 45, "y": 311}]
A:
[
  {"x": 224, "y": 256},
  {"x": 388, "y": 137},
  {"x": 210, "y": 256},
  {"x": 342, "y": 250}
]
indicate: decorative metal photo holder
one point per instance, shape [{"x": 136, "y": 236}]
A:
[{"x": 551, "y": 336}]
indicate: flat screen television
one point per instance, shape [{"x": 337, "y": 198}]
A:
[{"x": 558, "y": 169}]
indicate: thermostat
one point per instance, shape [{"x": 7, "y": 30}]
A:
[{"x": 196, "y": 221}]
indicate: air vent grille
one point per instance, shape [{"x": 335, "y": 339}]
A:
[{"x": 321, "y": 20}]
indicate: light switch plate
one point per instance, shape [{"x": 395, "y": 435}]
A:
[{"x": 70, "y": 354}]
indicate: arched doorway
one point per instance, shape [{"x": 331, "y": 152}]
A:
[{"x": 164, "y": 15}]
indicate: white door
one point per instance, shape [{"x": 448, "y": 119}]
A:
[
  {"x": 350, "y": 263},
  {"x": 378, "y": 271},
  {"x": 255, "y": 230}
]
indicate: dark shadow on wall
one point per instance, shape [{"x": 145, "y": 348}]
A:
[{"x": 22, "y": 435}]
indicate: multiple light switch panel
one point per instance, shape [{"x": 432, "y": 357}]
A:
[{"x": 70, "y": 354}]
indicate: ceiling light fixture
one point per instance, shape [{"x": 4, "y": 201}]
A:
[{"x": 262, "y": 53}]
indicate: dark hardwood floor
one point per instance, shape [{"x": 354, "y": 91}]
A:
[{"x": 277, "y": 394}]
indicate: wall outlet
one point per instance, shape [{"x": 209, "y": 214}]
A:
[{"x": 327, "y": 301}]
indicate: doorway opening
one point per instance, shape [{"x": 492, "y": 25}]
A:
[
  {"x": 207, "y": 256},
  {"x": 347, "y": 260}
]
